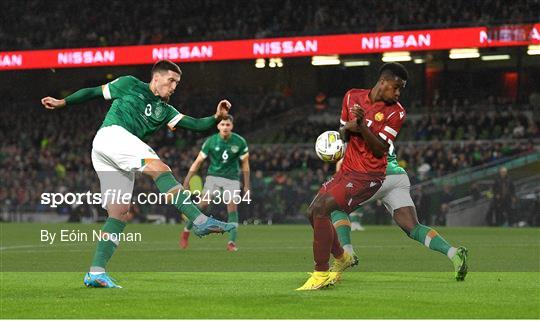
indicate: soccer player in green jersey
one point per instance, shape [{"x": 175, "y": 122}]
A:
[
  {"x": 225, "y": 151},
  {"x": 395, "y": 195},
  {"x": 137, "y": 111}
]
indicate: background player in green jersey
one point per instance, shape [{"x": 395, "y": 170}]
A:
[
  {"x": 138, "y": 110},
  {"x": 225, "y": 151},
  {"x": 395, "y": 195}
]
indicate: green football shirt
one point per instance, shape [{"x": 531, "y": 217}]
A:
[
  {"x": 224, "y": 155},
  {"x": 136, "y": 108}
]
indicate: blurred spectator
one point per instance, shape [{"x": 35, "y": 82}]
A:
[
  {"x": 501, "y": 209},
  {"x": 423, "y": 203},
  {"x": 381, "y": 214},
  {"x": 475, "y": 192},
  {"x": 258, "y": 194},
  {"x": 446, "y": 198},
  {"x": 320, "y": 102}
]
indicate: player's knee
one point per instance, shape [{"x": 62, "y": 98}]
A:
[
  {"x": 161, "y": 166},
  {"x": 406, "y": 219},
  {"x": 118, "y": 211},
  {"x": 155, "y": 167}
]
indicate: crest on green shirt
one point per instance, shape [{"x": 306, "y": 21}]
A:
[{"x": 159, "y": 110}]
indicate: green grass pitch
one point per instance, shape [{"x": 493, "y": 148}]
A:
[{"x": 397, "y": 277}]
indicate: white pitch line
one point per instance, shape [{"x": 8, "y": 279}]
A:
[{"x": 213, "y": 248}]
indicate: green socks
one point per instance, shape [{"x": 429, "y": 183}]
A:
[
  {"x": 233, "y": 218},
  {"x": 165, "y": 183},
  {"x": 341, "y": 223},
  {"x": 430, "y": 238},
  {"x": 105, "y": 249}
]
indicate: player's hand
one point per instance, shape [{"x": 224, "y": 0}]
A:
[
  {"x": 344, "y": 134},
  {"x": 223, "y": 108},
  {"x": 358, "y": 112},
  {"x": 53, "y": 103}
]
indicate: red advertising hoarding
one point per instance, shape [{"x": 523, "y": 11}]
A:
[{"x": 436, "y": 39}]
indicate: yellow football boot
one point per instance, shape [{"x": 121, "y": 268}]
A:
[
  {"x": 317, "y": 281},
  {"x": 340, "y": 265}
]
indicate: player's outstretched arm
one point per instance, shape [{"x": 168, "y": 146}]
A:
[
  {"x": 197, "y": 124},
  {"x": 194, "y": 169},
  {"x": 78, "y": 97},
  {"x": 202, "y": 124}
]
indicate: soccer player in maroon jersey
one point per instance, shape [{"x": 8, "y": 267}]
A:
[{"x": 373, "y": 119}]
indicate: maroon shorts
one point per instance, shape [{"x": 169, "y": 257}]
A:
[{"x": 350, "y": 189}]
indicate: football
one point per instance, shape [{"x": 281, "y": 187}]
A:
[{"x": 329, "y": 146}]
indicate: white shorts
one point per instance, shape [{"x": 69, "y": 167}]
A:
[
  {"x": 394, "y": 193},
  {"x": 215, "y": 184},
  {"x": 116, "y": 155}
]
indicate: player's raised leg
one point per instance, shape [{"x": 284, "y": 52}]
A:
[
  {"x": 232, "y": 213},
  {"x": 407, "y": 219},
  {"x": 167, "y": 184}
]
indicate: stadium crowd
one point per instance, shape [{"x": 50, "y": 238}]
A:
[
  {"x": 55, "y": 157},
  {"x": 115, "y": 22},
  {"x": 501, "y": 122}
]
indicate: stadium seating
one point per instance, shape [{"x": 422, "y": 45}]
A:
[{"x": 168, "y": 22}]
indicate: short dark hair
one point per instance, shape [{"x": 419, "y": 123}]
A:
[
  {"x": 394, "y": 69},
  {"x": 164, "y": 65},
  {"x": 228, "y": 117}
]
